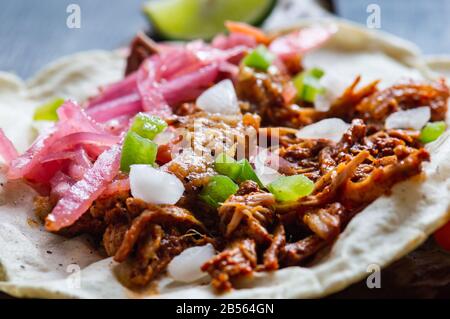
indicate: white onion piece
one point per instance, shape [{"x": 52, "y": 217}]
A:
[
  {"x": 164, "y": 137},
  {"x": 331, "y": 129},
  {"x": 154, "y": 186},
  {"x": 265, "y": 173},
  {"x": 186, "y": 266},
  {"x": 334, "y": 88},
  {"x": 412, "y": 119},
  {"x": 220, "y": 98}
]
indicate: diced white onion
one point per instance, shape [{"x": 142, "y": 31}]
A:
[
  {"x": 334, "y": 87},
  {"x": 186, "y": 266},
  {"x": 265, "y": 173},
  {"x": 323, "y": 102},
  {"x": 332, "y": 129},
  {"x": 164, "y": 137},
  {"x": 154, "y": 186},
  {"x": 409, "y": 119},
  {"x": 220, "y": 98}
]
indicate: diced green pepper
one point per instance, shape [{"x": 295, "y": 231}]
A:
[
  {"x": 238, "y": 171},
  {"x": 148, "y": 126},
  {"x": 247, "y": 173},
  {"x": 432, "y": 131},
  {"x": 137, "y": 150},
  {"x": 47, "y": 111},
  {"x": 227, "y": 166},
  {"x": 260, "y": 58},
  {"x": 218, "y": 189},
  {"x": 291, "y": 188},
  {"x": 308, "y": 84}
]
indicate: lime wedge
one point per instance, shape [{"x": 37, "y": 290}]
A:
[{"x": 193, "y": 19}]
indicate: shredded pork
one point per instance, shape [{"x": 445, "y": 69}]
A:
[{"x": 250, "y": 230}]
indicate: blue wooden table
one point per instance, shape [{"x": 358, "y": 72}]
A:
[
  {"x": 33, "y": 33},
  {"x": 424, "y": 22}
]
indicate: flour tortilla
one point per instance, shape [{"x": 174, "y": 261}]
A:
[{"x": 35, "y": 263}]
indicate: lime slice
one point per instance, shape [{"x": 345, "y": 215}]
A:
[{"x": 193, "y": 19}]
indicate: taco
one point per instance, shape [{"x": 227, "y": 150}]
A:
[{"x": 277, "y": 165}]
